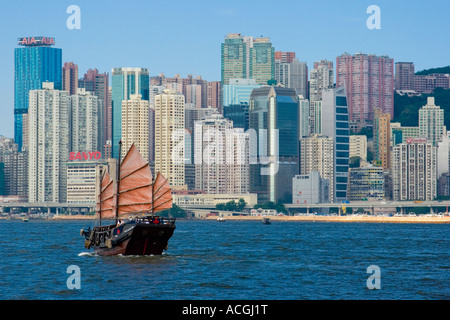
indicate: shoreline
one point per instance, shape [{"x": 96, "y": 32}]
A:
[
  {"x": 343, "y": 219},
  {"x": 312, "y": 218}
]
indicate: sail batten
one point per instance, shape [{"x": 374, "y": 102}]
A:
[
  {"x": 132, "y": 172},
  {"x": 106, "y": 196},
  {"x": 137, "y": 191}
]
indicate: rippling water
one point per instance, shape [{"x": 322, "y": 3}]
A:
[{"x": 232, "y": 260}]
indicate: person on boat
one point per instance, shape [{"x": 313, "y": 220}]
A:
[{"x": 120, "y": 222}]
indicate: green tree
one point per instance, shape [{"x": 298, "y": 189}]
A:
[
  {"x": 175, "y": 212},
  {"x": 279, "y": 207},
  {"x": 220, "y": 206},
  {"x": 230, "y": 206},
  {"x": 355, "y": 162},
  {"x": 241, "y": 204}
]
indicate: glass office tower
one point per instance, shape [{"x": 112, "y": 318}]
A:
[
  {"x": 233, "y": 58},
  {"x": 35, "y": 62},
  {"x": 262, "y": 61},
  {"x": 336, "y": 125},
  {"x": 125, "y": 82},
  {"x": 274, "y": 139}
]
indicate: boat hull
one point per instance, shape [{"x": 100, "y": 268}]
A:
[{"x": 135, "y": 238}]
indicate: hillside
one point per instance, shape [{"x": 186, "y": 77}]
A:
[
  {"x": 406, "y": 109},
  {"x": 434, "y": 70}
]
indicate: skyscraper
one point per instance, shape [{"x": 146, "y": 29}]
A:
[
  {"x": 414, "y": 170},
  {"x": 335, "y": 116},
  {"x": 15, "y": 168},
  {"x": 236, "y": 97},
  {"x": 213, "y": 94},
  {"x": 431, "y": 122},
  {"x": 98, "y": 83},
  {"x": 262, "y": 61},
  {"x": 135, "y": 125},
  {"x": 382, "y": 138},
  {"x": 237, "y": 91},
  {"x": 404, "y": 76},
  {"x": 299, "y": 77},
  {"x": 321, "y": 77},
  {"x": 317, "y": 154},
  {"x": 273, "y": 121},
  {"x": 233, "y": 58},
  {"x": 303, "y": 118},
  {"x": 315, "y": 117},
  {"x": 35, "y": 62},
  {"x": 221, "y": 156},
  {"x": 125, "y": 82},
  {"x": 70, "y": 77},
  {"x": 49, "y": 144},
  {"x": 291, "y": 73},
  {"x": 170, "y": 137},
  {"x": 369, "y": 83},
  {"x": 285, "y": 57},
  {"x": 85, "y": 122}
]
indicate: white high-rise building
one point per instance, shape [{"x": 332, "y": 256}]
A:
[
  {"x": 292, "y": 74},
  {"x": 358, "y": 146},
  {"x": 221, "y": 155},
  {"x": 303, "y": 120},
  {"x": 135, "y": 125},
  {"x": 317, "y": 154},
  {"x": 414, "y": 170},
  {"x": 315, "y": 117},
  {"x": 321, "y": 77},
  {"x": 170, "y": 137},
  {"x": 48, "y": 144},
  {"x": 443, "y": 160},
  {"x": 86, "y": 121},
  {"x": 431, "y": 122}
]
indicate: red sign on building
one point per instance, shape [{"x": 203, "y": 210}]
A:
[{"x": 91, "y": 155}]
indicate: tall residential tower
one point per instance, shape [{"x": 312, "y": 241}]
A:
[{"x": 369, "y": 83}]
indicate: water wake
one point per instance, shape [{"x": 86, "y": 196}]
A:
[{"x": 88, "y": 254}]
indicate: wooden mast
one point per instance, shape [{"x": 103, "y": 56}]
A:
[
  {"x": 100, "y": 196},
  {"x": 118, "y": 182},
  {"x": 153, "y": 195}
]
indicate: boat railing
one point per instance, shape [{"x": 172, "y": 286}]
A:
[
  {"x": 105, "y": 229},
  {"x": 154, "y": 220}
]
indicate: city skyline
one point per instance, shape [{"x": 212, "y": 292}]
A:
[{"x": 191, "y": 45}]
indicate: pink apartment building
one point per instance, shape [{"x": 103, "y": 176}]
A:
[{"x": 369, "y": 82}]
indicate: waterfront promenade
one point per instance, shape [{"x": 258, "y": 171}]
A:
[
  {"x": 311, "y": 218},
  {"x": 349, "y": 218}
]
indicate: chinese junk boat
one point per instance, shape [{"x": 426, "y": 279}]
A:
[{"x": 138, "y": 195}]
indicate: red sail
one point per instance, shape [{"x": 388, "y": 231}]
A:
[
  {"x": 162, "y": 195},
  {"x": 136, "y": 189},
  {"x": 107, "y": 199}
]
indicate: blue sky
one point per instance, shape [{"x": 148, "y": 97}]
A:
[{"x": 184, "y": 36}]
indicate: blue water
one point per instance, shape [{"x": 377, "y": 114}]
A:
[{"x": 232, "y": 260}]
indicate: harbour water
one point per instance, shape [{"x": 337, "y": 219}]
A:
[{"x": 210, "y": 260}]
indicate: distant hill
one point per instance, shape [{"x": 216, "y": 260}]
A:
[
  {"x": 434, "y": 70},
  {"x": 406, "y": 109}
]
